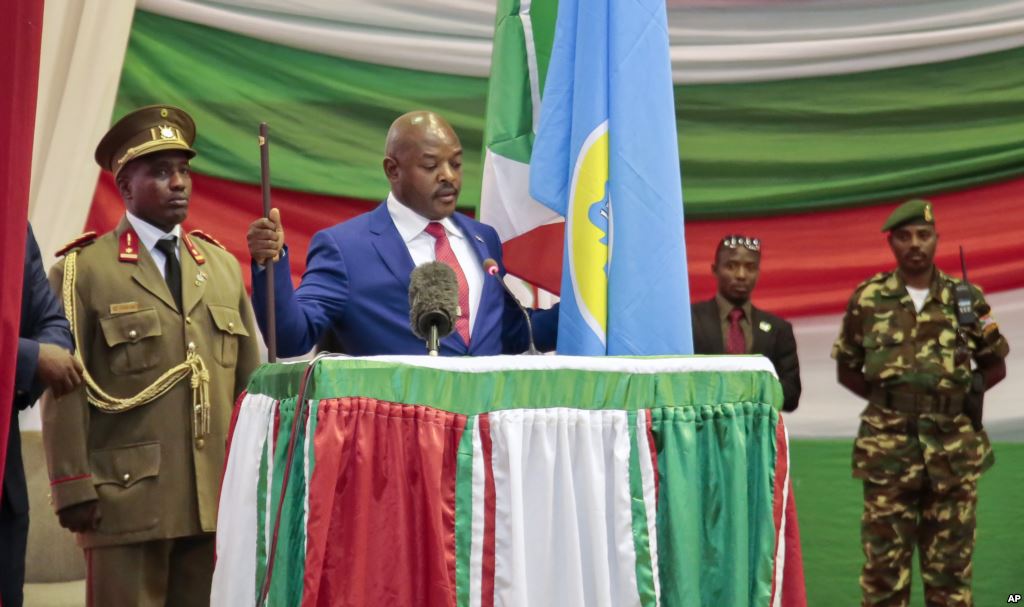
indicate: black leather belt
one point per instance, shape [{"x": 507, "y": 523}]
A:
[{"x": 909, "y": 402}]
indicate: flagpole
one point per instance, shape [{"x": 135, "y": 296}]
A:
[{"x": 265, "y": 187}]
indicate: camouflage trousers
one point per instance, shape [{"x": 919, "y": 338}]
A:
[
  {"x": 920, "y": 476},
  {"x": 942, "y": 526}
]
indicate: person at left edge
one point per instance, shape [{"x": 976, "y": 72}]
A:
[
  {"x": 357, "y": 272},
  {"x": 44, "y": 361},
  {"x": 138, "y": 478}
]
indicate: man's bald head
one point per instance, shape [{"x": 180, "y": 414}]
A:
[
  {"x": 408, "y": 129},
  {"x": 423, "y": 162}
]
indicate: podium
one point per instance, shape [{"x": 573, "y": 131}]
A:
[{"x": 541, "y": 480}]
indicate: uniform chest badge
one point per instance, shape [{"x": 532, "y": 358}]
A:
[
  {"x": 765, "y": 326},
  {"x": 201, "y": 278}
]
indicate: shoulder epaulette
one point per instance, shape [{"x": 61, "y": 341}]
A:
[
  {"x": 207, "y": 238},
  {"x": 81, "y": 241}
]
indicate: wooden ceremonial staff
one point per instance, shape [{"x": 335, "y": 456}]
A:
[{"x": 265, "y": 186}]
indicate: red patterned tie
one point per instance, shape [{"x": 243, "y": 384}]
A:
[
  {"x": 443, "y": 252},
  {"x": 737, "y": 343}
]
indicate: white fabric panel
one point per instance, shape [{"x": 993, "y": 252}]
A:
[
  {"x": 476, "y": 550},
  {"x": 234, "y": 579},
  {"x": 562, "y": 504},
  {"x": 711, "y": 41},
  {"x": 507, "y": 205},
  {"x": 829, "y": 410},
  {"x": 83, "y": 46},
  {"x": 667, "y": 364}
]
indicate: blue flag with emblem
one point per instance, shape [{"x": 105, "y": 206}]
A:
[{"x": 606, "y": 157}]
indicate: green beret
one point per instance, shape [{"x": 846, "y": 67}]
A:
[
  {"x": 917, "y": 210},
  {"x": 147, "y": 130}
]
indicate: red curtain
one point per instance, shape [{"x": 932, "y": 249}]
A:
[
  {"x": 20, "y": 36},
  {"x": 811, "y": 261}
]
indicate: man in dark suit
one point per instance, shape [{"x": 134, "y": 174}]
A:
[
  {"x": 729, "y": 324},
  {"x": 357, "y": 273},
  {"x": 44, "y": 361}
]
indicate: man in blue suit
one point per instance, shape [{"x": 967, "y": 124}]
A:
[
  {"x": 44, "y": 361},
  {"x": 357, "y": 272}
]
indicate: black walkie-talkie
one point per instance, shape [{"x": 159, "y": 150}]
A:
[{"x": 965, "y": 314}]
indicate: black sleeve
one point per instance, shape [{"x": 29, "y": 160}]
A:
[{"x": 787, "y": 365}]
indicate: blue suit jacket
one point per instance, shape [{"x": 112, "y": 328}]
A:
[
  {"x": 41, "y": 322},
  {"x": 356, "y": 285}
]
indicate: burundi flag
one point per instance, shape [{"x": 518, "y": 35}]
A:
[
  {"x": 606, "y": 158},
  {"x": 530, "y": 231}
]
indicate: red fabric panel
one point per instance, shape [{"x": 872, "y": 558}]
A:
[
  {"x": 811, "y": 261},
  {"x": 20, "y": 33},
  {"x": 653, "y": 448},
  {"x": 791, "y": 561},
  {"x": 385, "y": 498},
  {"x": 487, "y": 565}
]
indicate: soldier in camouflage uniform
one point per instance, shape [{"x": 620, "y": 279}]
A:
[{"x": 902, "y": 348}]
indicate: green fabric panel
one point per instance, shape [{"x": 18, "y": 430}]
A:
[
  {"x": 641, "y": 537},
  {"x": 289, "y": 564},
  {"x": 328, "y": 117},
  {"x": 749, "y": 148},
  {"x": 715, "y": 463},
  {"x": 793, "y": 145},
  {"x": 829, "y": 503},
  {"x": 464, "y": 513},
  {"x": 543, "y": 14},
  {"x": 475, "y": 393},
  {"x": 509, "y": 128}
]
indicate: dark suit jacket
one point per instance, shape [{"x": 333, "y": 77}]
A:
[
  {"x": 777, "y": 344},
  {"x": 41, "y": 322},
  {"x": 356, "y": 285}
]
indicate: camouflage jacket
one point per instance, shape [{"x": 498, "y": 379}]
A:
[{"x": 899, "y": 348}]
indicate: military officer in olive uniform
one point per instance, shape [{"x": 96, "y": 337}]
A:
[
  {"x": 905, "y": 349},
  {"x": 165, "y": 330}
]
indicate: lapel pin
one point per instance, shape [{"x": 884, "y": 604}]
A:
[
  {"x": 477, "y": 236},
  {"x": 765, "y": 326}
]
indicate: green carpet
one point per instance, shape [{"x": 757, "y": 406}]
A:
[{"x": 829, "y": 507}]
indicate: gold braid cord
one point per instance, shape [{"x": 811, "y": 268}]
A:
[{"x": 193, "y": 366}]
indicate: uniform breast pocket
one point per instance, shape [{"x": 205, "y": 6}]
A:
[
  {"x": 884, "y": 355},
  {"x": 125, "y": 479},
  {"x": 134, "y": 340},
  {"x": 228, "y": 323}
]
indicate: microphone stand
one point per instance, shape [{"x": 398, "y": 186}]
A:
[
  {"x": 491, "y": 267},
  {"x": 433, "y": 340}
]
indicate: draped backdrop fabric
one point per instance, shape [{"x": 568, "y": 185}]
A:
[
  {"x": 83, "y": 47},
  {"x": 20, "y": 35},
  {"x": 645, "y": 469}
]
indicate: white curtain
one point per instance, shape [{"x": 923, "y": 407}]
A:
[
  {"x": 711, "y": 40},
  {"x": 83, "y": 48}
]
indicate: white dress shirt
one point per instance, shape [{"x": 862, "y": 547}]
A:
[
  {"x": 149, "y": 234},
  {"x": 410, "y": 226}
]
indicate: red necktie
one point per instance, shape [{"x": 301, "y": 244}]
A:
[
  {"x": 443, "y": 252},
  {"x": 737, "y": 343}
]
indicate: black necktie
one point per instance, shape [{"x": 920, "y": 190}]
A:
[{"x": 172, "y": 269}]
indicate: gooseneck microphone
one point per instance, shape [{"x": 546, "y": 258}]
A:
[
  {"x": 433, "y": 303},
  {"x": 491, "y": 267}
]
